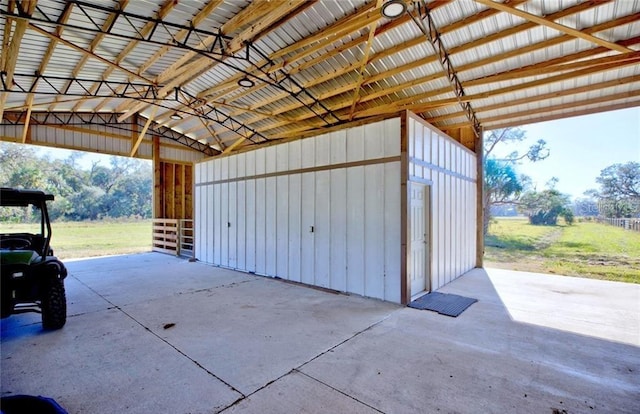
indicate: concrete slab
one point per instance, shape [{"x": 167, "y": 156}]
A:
[
  {"x": 254, "y": 332},
  {"x": 154, "y": 333},
  {"x": 298, "y": 393},
  {"x": 136, "y": 278},
  {"x": 105, "y": 362},
  {"x": 483, "y": 361}
]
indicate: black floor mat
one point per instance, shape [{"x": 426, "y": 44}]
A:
[{"x": 443, "y": 303}]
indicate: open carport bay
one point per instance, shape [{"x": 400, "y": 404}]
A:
[{"x": 153, "y": 333}]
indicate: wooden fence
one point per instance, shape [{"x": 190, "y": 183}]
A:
[
  {"x": 173, "y": 236},
  {"x": 626, "y": 223}
]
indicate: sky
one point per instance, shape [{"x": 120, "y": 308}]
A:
[{"x": 580, "y": 147}]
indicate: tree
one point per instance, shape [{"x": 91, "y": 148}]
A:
[
  {"x": 502, "y": 185},
  {"x": 619, "y": 194},
  {"x": 544, "y": 207},
  {"x": 123, "y": 190}
]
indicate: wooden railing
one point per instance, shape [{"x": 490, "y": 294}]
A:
[
  {"x": 185, "y": 231},
  {"x": 165, "y": 236},
  {"x": 173, "y": 236},
  {"x": 626, "y": 223}
]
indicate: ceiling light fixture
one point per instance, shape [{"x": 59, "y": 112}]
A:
[
  {"x": 246, "y": 82},
  {"x": 176, "y": 116},
  {"x": 393, "y": 9}
]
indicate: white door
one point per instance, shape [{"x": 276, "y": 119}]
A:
[{"x": 419, "y": 263}]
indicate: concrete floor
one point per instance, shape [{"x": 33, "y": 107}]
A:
[{"x": 246, "y": 344}]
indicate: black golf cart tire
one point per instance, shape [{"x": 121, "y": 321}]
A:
[{"x": 54, "y": 305}]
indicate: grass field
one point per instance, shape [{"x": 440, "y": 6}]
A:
[
  {"x": 585, "y": 249},
  {"x": 87, "y": 239}
]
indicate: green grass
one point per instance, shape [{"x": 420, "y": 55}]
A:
[
  {"x": 585, "y": 249},
  {"x": 96, "y": 238}
]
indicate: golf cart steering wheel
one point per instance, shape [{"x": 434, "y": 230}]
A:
[{"x": 15, "y": 243}]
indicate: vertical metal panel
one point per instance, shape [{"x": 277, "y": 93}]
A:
[
  {"x": 232, "y": 227},
  {"x": 282, "y": 226},
  {"x": 321, "y": 150},
  {"x": 373, "y": 141},
  {"x": 295, "y": 217},
  {"x": 216, "y": 223},
  {"x": 250, "y": 229},
  {"x": 198, "y": 236},
  {"x": 374, "y": 230},
  {"x": 355, "y": 144},
  {"x": 307, "y": 255},
  {"x": 392, "y": 137},
  {"x": 322, "y": 229},
  {"x": 308, "y": 155},
  {"x": 224, "y": 168},
  {"x": 241, "y": 165},
  {"x": 392, "y": 239},
  {"x": 355, "y": 229},
  {"x": 270, "y": 220},
  {"x": 260, "y": 162},
  {"x": 260, "y": 230},
  {"x": 338, "y": 226},
  {"x": 338, "y": 144},
  {"x": 224, "y": 223},
  {"x": 241, "y": 227},
  {"x": 282, "y": 157},
  {"x": 270, "y": 155},
  {"x": 250, "y": 163},
  {"x": 295, "y": 155}
]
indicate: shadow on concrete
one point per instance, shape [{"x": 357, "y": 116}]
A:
[{"x": 153, "y": 333}]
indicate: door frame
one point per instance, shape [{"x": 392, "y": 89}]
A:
[{"x": 428, "y": 186}]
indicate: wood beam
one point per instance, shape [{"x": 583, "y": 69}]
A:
[
  {"x": 557, "y": 26},
  {"x": 554, "y": 108},
  {"x": 363, "y": 63},
  {"x": 383, "y": 91},
  {"x": 136, "y": 143},
  {"x": 278, "y": 11},
  {"x": 551, "y": 95},
  {"x": 11, "y": 57},
  {"x": 581, "y": 112}
]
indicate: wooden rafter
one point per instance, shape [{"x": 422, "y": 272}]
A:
[
  {"x": 543, "y": 97},
  {"x": 384, "y": 91},
  {"x": 11, "y": 57},
  {"x": 164, "y": 10},
  {"x": 554, "y": 25},
  {"x": 556, "y": 108},
  {"x": 363, "y": 63},
  {"x": 569, "y": 114},
  {"x": 136, "y": 143},
  {"x": 43, "y": 66},
  {"x": 278, "y": 10}
]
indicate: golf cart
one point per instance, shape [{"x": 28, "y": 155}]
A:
[{"x": 32, "y": 277}]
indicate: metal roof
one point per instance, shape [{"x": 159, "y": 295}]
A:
[{"x": 316, "y": 63}]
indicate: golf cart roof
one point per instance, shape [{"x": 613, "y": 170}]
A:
[{"x": 15, "y": 197}]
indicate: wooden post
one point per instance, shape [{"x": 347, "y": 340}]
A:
[
  {"x": 479, "y": 148},
  {"x": 157, "y": 179}
]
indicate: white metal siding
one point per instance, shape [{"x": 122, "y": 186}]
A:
[
  {"x": 336, "y": 227},
  {"x": 450, "y": 167}
]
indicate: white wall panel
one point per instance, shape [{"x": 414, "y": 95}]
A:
[
  {"x": 355, "y": 230},
  {"x": 307, "y": 248},
  {"x": 295, "y": 219},
  {"x": 451, "y": 169},
  {"x": 322, "y": 230},
  {"x": 282, "y": 226},
  {"x": 374, "y": 230},
  {"x": 250, "y": 225},
  {"x": 335, "y": 226},
  {"x": 260, "y": 230},
  {"x": 338, "y": 225}
]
